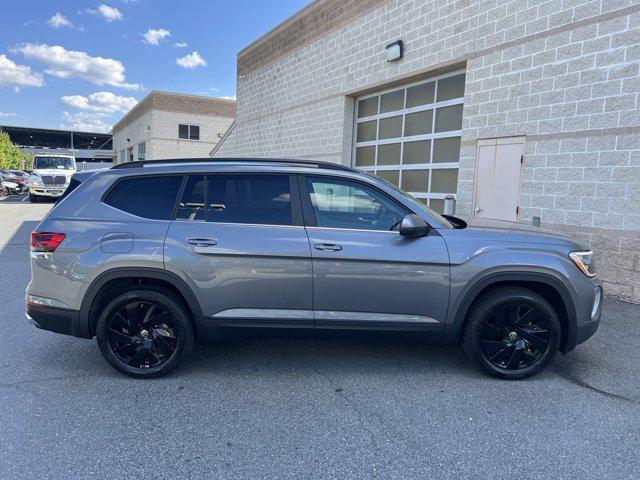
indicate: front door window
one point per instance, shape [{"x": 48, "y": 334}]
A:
[{"x": 351, "y": 205}]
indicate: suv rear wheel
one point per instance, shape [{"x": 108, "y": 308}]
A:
[
  {"x": 512, "y": 333},
  {"x": 145, "y": 333}
]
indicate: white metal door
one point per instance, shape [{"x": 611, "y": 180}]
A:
[{"x": 498, "y": 178}]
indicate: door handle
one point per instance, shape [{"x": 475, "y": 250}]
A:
[
  {"x": 327, "y": 247},
  {"x": 202, "y": 242}
]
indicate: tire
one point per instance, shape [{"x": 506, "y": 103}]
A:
[
  {"x": 33, "y": 198},
  {"x": 511, "y": 333},
  {"x": 155, "y": 342}
]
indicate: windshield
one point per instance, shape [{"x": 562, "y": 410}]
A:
[
  {"x": 422, "y": 206},
  {"x": 53, "y": 163}
]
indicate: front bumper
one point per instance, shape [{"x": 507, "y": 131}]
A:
[
  {"x": 587, "y": 329},
  {"x": 47, "y": 191},
  {"x": 54, "y": 319}
]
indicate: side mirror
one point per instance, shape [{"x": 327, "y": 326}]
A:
[
  {"x": 457, "y": 223},
  {"x": 414, "y": 226}
]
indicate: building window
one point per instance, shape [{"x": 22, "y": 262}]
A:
[
  {"x": 142, "y": 150},
  {"x": 130, "y": 154},
  {"x": 122, "y": 157},
  {"x": 411, "y": 137},
  {"x": 189, "y": 132}
]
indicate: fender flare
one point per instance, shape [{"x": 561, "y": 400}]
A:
[
  {"x": 126, "y": 272},
  {"x": 458, "y": 310}
]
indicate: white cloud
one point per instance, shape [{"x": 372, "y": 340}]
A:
[
  {"x": 192, "y": 60},
  {"x": 14, "y": 74},
  {"x": 86, "y": 121},
  {"x": 16, "y": 90},
  {"x": 106, "y": 102},
  {"x": 64, "y": 63},
  {"x": 154, "y": 35},
  {"x": 229, "y": 97},
  {"x": 181, "y": 45},
  {"x": 8, "y": 114},
  {"x": 110, "y": 14},
  {"x": 59, "y": 21}
]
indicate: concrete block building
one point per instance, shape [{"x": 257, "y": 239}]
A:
[
  {"x": 519, "y": 109},
  {"x": 172, "y": 125}
]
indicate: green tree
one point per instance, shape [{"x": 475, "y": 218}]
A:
[{"x": 11, "y": 157}]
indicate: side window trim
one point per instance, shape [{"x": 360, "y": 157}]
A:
[
  {"x": 176, "y": 204},
  {"x": 307, "y": 207}
]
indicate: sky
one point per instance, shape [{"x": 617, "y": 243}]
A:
[{"x": 83, "y": 64}]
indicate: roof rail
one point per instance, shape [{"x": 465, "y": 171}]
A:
[{"x": 253, "y": 161}]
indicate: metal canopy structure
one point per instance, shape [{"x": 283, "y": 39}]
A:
[{"x": 26, "y": 137}]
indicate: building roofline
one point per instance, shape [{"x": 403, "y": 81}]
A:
[
  {"x": 283, "y": 24},
  {"x": 204, "y": 97},
  {"x": 312, "y": 22},
  {"x": 153, "y": 94}
]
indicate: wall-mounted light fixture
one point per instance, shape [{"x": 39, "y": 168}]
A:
[{"x": 395, "y": 51}]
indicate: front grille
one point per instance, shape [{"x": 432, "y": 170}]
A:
[{"x": 53, "y": 180}]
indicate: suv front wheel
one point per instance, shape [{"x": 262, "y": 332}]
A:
[
  {"x": 512, "y": 333},
  {"x": 145, "y": 333}
]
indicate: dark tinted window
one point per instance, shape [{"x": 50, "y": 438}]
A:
[
  {"x": 147, "y": 197},
  {"x": 352, "y": 205},
  {"x": 183, "y": 131},
  {"x": 254, "y": 199},
  {"x": 194, "y": 132}
]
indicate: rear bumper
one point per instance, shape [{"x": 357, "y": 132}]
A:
[{"x": 58, "y": 320}]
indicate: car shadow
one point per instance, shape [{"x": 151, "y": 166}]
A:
[{"x": 328, "y": 357}]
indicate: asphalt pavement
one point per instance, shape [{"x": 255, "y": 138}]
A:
[{"x": 261, "y": 409}]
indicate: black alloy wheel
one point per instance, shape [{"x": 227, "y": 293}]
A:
[
  {"x": 514, "y": 336},
  {"x": 146, "y": 332},
  {"x": 512, "y": 332},
  {"x": 142, "y": 334}
]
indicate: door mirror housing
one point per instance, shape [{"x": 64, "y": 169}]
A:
[
  {"x": 457, "y": 223},
  {"x": 414, "y": 226}
]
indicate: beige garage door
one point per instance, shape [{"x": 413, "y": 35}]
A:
[
  {"x": 498, "y": 178},
  {"x": 410, "y": 136}
]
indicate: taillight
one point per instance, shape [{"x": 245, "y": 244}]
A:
[{"x": 46, "y": 241}]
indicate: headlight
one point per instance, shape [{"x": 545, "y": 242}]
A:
[
  {"x": 585, "y": 262},
  {"x": 35, "y": 182}
]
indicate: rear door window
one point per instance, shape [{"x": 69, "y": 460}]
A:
[
  {"x": 237, "y": 198},
  {"x": 150, "y": 197}
]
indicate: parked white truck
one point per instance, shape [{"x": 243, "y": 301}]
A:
[{"x": 51, "y": 175}]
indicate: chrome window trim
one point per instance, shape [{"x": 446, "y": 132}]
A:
[
  {"x": 241, "y": 224},
  {"x": 354, "y": 230}
]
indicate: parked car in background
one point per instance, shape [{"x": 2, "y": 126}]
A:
[
  {"x": 147, "y": 256},
  {"x": 50, "y": 176},
  {"x": 13, "y": 183}
]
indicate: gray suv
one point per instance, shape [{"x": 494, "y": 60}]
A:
[{"x": 148, "y": 256}]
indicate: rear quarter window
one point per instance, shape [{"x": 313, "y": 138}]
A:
[{"x": 150, "y": 197}]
